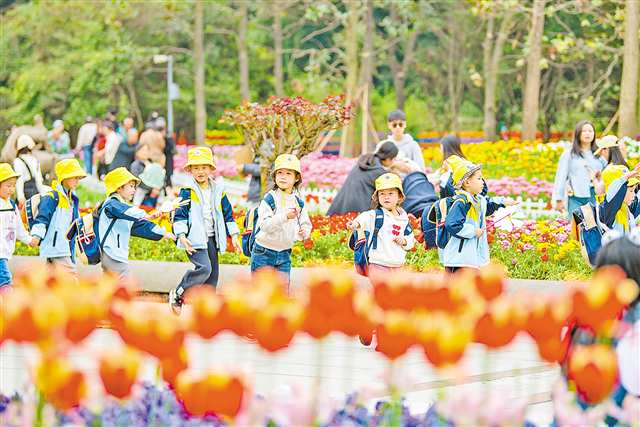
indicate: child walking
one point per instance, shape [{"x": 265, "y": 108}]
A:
[
  {"x": 395, "y": 236},
  {"x": 11, "y": 225},
  {"x": 202, "y": 224},
  {"x": 620, "y": 209},
  {"x": 282, "y": 218},
  {"x": 119, "y": 220},
  {"x": 58, "y": 209},
  {"x": 465, "y": 222}
]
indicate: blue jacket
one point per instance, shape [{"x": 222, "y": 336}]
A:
[
  {"x": 613, "y": 202},
  {"x": 53, "y": 222},
  {"x": 189, "y": 219},
  {"x": 575, "y": 170},
  {"x": 464, "y": 249},
  {"x": 128, "y": 222}
]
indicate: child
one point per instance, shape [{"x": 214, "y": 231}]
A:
[
  {"x": 119, "y": 220},
  {"x": 150, "y": 192},
  {"x": 28, "y": 168},
  {"x": 57, "y": 210},
  {"x": 395, "y": 237},
  {"x": 11, "y": 225},
  {"x": 202, "y": 225},
  {"x": 277, "y": 230},
  {"x": 466, "y": 219},
  {"x": 408, "y": 147},
  {"x": 620, "y": 208}
]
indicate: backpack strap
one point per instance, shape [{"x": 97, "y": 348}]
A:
[
  {"x": 589, "y": 219},
  {"x": 300, "y": 202},
  {"x": 376, "y": 228},
  {"x": 103, "y": 239},
  {"x": 28, "y": 168},
  {"x": 270, "y": 201}
]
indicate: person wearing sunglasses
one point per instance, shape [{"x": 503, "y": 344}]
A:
[
  {"x": 409, "y": 149},
  {"x": 620, "y": 209}
]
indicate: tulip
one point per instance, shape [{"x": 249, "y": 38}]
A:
[
  {"x": 210, "y": 393},
  {"x": 60, "y": 383},
  {"x": 594, "y": 370},
  {"x": 207, "y": 318},
  {"x": 119, "y": 370}
]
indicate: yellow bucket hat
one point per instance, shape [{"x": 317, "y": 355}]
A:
[
  {"x": 462, "y": 170},
  {"x": 608, "y": 141},
  {"x": 287, "y": 161},
  {"x": 69, "y": 168},
  {"x": 388, "y": 181},
  {"x": 117, "y": 178},
  {"x": 614, "y": 172},
  {"x": 7, "y": 172},
  {"x": 200, "y": 156}
]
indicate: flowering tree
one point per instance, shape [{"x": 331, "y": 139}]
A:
[{"x": 287, "y": 126}]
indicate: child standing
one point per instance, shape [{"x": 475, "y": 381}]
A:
[
  {"x": 620, "y": 208},
  {"x": 202, "y": 225},
  {"x": 57, "y": 211},
  {"x": 11, "y": 225},
  {"x": 119, "y": 220},
  {"x": 282, "y": 218},
  {"x": 465, "y": 222},
  {"x": 395, "y": 236},
  {"x": 28, "y": 168}
]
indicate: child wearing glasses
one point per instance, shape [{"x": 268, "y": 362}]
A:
[{"x": 408, "y": 148}]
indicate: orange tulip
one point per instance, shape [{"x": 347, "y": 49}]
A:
[
  {"x": 277, "y": 324},
  {"x": 594, "y": 370},
  {"x": 499, "y": 325},
  {"x": 206, "y": 315},
  {"x": 396, "y": 334},
  {"x": 60, "y": 383},
  {"x": 490, "y": 281},
  {"x": 210, "y": 394},
  {"x": 119, "y": 370},
  {"x": 172, "y": 366}
]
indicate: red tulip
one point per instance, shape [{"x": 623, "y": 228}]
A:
[{"x": 594, "y": 370}]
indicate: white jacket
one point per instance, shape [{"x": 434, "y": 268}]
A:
[
  {"x": 25, "y": 174},
  {"x": 11, "y": 227},
  {"x": 277, "y": 232},
  {"x": 388, "y": 253}
]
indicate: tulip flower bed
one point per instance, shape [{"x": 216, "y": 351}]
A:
[{"x": 440, "y": 315}]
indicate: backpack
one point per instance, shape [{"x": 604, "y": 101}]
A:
[
  {"x": 251, "y": 220},
  {"x": 85, "y": 231},
  {"x": 590, "y": 231},
  {"x": 32, "y": 206},
  {"x": 361, "y": 242},
  {"x": 30, "y": 186},
  {"x": 435, "y": 234}
]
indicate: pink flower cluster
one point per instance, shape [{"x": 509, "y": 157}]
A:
[
  {"x": 223, "y": 157},
  {"x": 325, "y": 170},
  {"x": 515, "y": 186}
]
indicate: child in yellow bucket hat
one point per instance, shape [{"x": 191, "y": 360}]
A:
[
  {"x": 386, "y": 224},
  {"x": 11, "y": 225},
  {"x": 620, "y": 208},
  {"x": 202, "y": 223},
  {"x": 57, "y": 210},
  {"x": 282, "y": 218},
  {"x": 119, "y": 220},
  {"x": 465, "y": 231}
]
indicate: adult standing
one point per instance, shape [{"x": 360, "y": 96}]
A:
[
  {"x": 169, "y": 148},
  {"x": 85, "y": 142},
  {"x": 30, "y": 181},
  {"x": 355, "y": 194},
  {"x": 153, "y": 139},
  {"x": 58, "y": 139},
  {"x": 577, "y": 168},
  {"x": 127, "y": 148},
  {"x": 111, "y": 146}
]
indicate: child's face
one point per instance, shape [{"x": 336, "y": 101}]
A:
[
  {"x": 389, "y": 199},
  {"x": 474, "y": 183},
  {"x": 397, "y": 127},
  {"x": 70, "y": 183},
  {"x": 8, "y": 187},
  {"x": 201, "y": 173},
  {"x": 631, "y": 194},
  {"x": 286, "y": 179},
  {"x": 127, "y": 191}
]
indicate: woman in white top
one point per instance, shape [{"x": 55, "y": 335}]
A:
[{"x": 30, "y": 180}]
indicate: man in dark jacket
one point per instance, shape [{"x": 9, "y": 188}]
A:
[{"x": 355, "y": 194}]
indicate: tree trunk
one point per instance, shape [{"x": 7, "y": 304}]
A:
[
  {"x": 198, "y": 51},
  {"x": 348, "y": 144},
  {"x": 532, "y": 84},
  {"x": 627, "y": 125},
  {"x": 278, "y": 71},
  {"x": 451, "y": 82},
  {"x": 367, "y": 71},
  {"x": 243, "y": 56}
]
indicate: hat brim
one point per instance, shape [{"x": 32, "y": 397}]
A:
[
  {"x": 79, "y": 175},
  {"x": 13, "y": 175},
  {"x": 196, "y": 163},
  {"x": 467, "y": 175},
  {"x": 633, "y": 181}
]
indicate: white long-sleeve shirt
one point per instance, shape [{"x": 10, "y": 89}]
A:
[
  {"x": 11, "y": 227},
  {"x": 277, "y": 232},
  {"x": 25, "y": 174},
  {"x": 388, "y": 253},
  {"x": 86, "y": 134},
  {"x": 111, "y": 147}
]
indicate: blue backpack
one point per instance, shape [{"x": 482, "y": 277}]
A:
[
  {"x": 251, "y": 220},
  {"x": 362, "y": 242},
  {"x": 435, "y": 234},
  {"x": 590, "y": 231},
  {"x": 85, "y": 231}
]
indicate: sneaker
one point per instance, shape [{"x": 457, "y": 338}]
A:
[{"x": 175, "y": 302}]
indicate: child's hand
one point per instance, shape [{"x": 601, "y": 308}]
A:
[
  {"x": 35, "y": 242},
  {"x": 479, "y": 232},
  {"x": 634, "y": 172},
  {"x": 301, "y": 234},
  {"x": 188, "y": 247},
  {"x": 237, "y": 245},
  {"x": 400, "y": 241},
  {"x": 170, "y": 236},
  {"x": 510, "y": 202},
  {"x": 292, "y": 213},
  {"x": 152, "y": 216}
]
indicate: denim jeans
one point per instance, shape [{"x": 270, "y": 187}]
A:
[
  {"x": 206, "y": 268},
  {"x": 262, "y": 257},
  {"x": 5, "y": 273},
  {"x": 87, "y": 156}
]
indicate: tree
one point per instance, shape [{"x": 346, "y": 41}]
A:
[
  {"x": 401, "y": 48},
  {"x": 243, "y": 55},
  {"x": 278, "y": 71},
  {"x": 348, "y": 144},
  {"x": 532, "y": 86},
  {"x": 629, "y": 84},
  {"x": 199, "y": 78}
]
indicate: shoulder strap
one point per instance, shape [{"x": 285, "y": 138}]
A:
[
  {"x": 300, "y": 202},
  {"x": 376, "y": 227},
  {"x": 103, "y": 239},
  {"x": 28, "y": 168},
  {"x": 270, "y": 201},
  {"x": 443, "y": 204}
]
